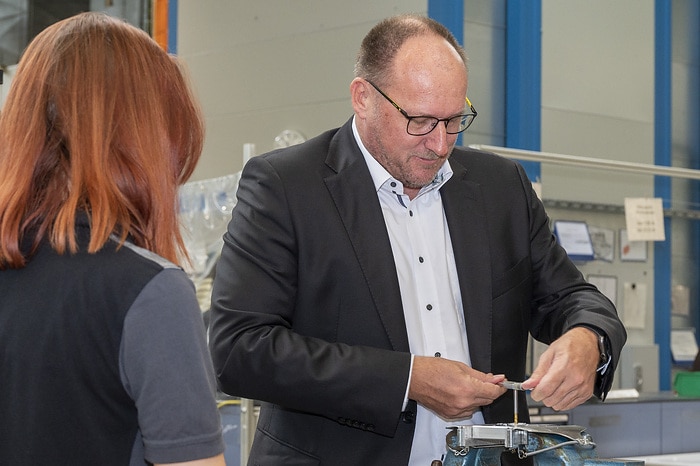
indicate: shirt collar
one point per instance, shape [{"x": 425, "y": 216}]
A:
[{"x": 380, "y": 176}]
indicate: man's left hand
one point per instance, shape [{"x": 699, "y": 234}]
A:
[{"x": 566, "y": 372}]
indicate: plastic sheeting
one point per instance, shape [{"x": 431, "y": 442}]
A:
[{"x": 205, "y": 211}]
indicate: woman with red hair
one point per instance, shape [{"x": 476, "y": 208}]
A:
[{"x": 103, "y": 356}]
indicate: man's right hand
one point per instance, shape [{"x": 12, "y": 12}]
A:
[{"x": 452, "y": 389}]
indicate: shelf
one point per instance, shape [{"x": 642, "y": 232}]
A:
[{"x": 614, "y": 209}]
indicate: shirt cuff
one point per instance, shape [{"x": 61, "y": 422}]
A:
[{"x": 408, "y": 385}]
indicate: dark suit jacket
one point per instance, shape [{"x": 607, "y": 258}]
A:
[{"x": 306, "y": 307}]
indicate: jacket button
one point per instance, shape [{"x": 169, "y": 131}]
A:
[{"x": 408, "y": 417}]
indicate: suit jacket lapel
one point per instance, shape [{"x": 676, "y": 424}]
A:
[
  {"x": 466, "y": 218},
  {"x": 353, "y": 192}
]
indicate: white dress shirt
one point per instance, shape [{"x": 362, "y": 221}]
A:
[{"x": 432, "y": 303}]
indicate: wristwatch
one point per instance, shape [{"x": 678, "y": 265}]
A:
[
  {"x": 605, "y": 356},
  {"x": 603, "y": 351}
]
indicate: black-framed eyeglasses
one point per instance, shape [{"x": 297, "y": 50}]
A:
[{"x": 420, "y": 125}]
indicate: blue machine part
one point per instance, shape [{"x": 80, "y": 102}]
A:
[{"x": 546, "y": 445}]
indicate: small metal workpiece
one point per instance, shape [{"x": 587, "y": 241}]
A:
[
  {"x": 512, "y": 385},
  {"x": 515, "y": 386}
]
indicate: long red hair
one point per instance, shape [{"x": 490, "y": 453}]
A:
[{"x": 99, "y": 119}]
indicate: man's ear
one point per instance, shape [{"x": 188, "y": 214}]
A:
[{"x": 360, "y": 96}]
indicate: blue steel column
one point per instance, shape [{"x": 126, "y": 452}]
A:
[
  {"x": 524, "y": 78},
  {"x": 662, "y": 187},
  {"x": 172, "y": 26},
  {"x": 449, "y": 13}
]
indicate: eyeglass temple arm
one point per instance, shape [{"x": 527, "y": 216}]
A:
[{"x": 471, "y": 107}]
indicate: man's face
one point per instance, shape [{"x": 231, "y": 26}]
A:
[{"x": 429, "y": 79}]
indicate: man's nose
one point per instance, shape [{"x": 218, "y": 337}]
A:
[{"x": 438, "y": 139}]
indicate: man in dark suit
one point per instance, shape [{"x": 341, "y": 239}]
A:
[{"x": 372, "y": 292}]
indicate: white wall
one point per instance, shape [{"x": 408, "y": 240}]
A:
[
  {"x": 598, "y": 94},
  {"x": 265, "y": 66},
  {"x": 8, "y": 73}
]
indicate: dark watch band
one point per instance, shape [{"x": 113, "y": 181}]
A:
[{"x": 605, "y": 356}]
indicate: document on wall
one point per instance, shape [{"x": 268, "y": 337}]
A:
[
  {"x": 574, "y": 237},
  {"x": 680, "y": 300},
  {"x": 634, "y": 304},
  {"x": 603, "y": 240},
  {"x": 606, "y": 285},
  {"x": 645, "y": 219},
  {"x": 684, "y": 347}
]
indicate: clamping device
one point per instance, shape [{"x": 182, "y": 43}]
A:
[{"x": 476, "y": 445}]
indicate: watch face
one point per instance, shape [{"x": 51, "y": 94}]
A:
[{"x": 288, "y": 137}]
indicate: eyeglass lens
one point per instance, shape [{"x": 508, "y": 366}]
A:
[{"x": 419, "y": 126}]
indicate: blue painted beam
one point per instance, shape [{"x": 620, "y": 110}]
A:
[
  {"x": 172, "y": 26},
  {"x": 662, "y": 187},
  {"x": 524, "y": 78},
  {"x": 449, "y": 13}
]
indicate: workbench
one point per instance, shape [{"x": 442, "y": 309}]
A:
[{"x": 652, "y": 424}]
